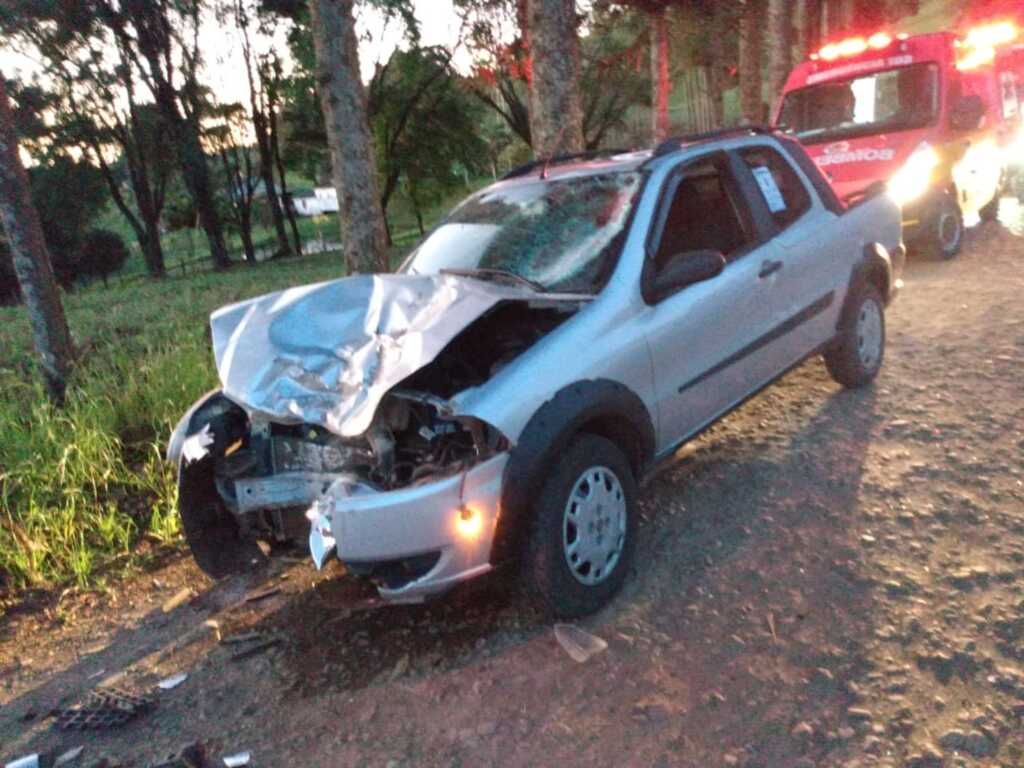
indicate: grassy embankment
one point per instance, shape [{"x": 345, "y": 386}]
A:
[{"x": 83, "y": 490}]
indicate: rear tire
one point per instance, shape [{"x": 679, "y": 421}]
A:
[
  {"x": 210, "y": 530},
  {"x": 584, "y": 528},
  {"x": 857, "y": 356},
  {"x": 942, "y": 233}
]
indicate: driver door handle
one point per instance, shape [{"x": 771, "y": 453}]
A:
[{"x": 768, "y": 268}]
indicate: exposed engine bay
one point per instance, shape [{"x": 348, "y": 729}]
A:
[{"x": 267, "y": 474}]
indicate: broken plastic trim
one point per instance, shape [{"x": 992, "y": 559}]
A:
[{"x": 197, "y": 446}]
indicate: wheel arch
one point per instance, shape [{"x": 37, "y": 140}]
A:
[
  {"x": 873, "y": 268},
  {"x": 596, "y": 406}
]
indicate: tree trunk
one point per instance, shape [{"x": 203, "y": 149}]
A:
[
  {"x": 289, "y": 209},
  {"x": 32, "y": 261},
  {"x": 780, "y": 51},
  {"x": 556, "y": 115},
  {"x": 196, "y": 176},
  {"x": 750, "y": 61},
  {"x": 808, "y": 29},
  {"x": 262, "y": 132},
  {"x": 348, "y": 136},
  {"x": 716, "y": 69},
  {"x": 152, "y": 249},
  {"x": 660, "y": 83},
  {"x": 836, "y": 16},
  {"x": 245, "y": 232}
]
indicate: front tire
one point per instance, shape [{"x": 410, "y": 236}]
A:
[
  {"x": 210, "y": 530},
  {"x": 943, "y": 231},
  {"x": 583, "y": 536},
  {"x": 857, "y": 356}
]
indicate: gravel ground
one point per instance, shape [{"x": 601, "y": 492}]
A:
[{"x": 825, "y": 578}]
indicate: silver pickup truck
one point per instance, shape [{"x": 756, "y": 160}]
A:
[{"x": 497, "y": 399}]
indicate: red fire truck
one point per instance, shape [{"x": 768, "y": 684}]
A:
[{"x": 936, "y": 117}]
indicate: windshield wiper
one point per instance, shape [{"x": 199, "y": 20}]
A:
[{"x": 485, "y": 273}]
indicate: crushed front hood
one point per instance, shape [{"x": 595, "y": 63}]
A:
[{"x": 326, "y": 354}]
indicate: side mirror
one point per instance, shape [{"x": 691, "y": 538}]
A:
[
  {"x": 685, "y": 269},
  {"x": 966, "y": 113}
]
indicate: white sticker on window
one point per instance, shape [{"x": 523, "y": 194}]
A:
[{"x": 769, "y": 189}]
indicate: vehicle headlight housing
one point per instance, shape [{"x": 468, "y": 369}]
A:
[{"x": 913, "y": 179}]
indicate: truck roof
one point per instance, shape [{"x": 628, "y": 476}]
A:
[{"x": 617, "y": 161}]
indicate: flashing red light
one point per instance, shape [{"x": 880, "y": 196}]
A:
[
  {"x": 853, "y": 46},
  {"x": 829, "y": 52},
  {"x": 980, "y": 43},
  {"x": 991, "y": 35},
  {"x": 880, "y": 40}
]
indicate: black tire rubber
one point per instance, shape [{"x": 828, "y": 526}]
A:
[
  {"x": 933, "y": 243},
  {"x": 843, "y": 360},
  {"x": 991, "y": 211},
  {"x": 546, "y": 575},
  {"x": 210, "y": 530}
]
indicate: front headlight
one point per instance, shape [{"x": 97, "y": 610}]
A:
[{"x": 913, "y": 179}]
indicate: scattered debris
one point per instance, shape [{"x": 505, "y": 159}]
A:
[
  {"x": 771, "y": 627},
  {"x": 179, "y": 598},
  {"x": 244, "y": 637},
  {"x": 97, "y": 673},
  {"x": 198, "y": 445},
  {"x": 252, "y": 650},
  {"x": 190, "y": 756},
  {"x": 580, "y": 645},
  {"x": 401, "y": 667},
  {"x": 29, "y": 761},
  {"x": 102, "y": 708},
  {"x": 262, "y": 594},
  {"x": 68, "y": 757},
  {"x": 214, "y": 626},
  {"x": 236, "y": 760},
  {"x": 172, "y": 682}
]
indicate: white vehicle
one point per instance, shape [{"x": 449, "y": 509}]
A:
[{"x": 560, "y": 332}]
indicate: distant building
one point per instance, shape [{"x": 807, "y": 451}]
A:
[{"x": 314, "y": 202}]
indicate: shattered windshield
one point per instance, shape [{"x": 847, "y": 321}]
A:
[
  {"x": 893, "y": 100},
  {"x": 561, "y": 234}
]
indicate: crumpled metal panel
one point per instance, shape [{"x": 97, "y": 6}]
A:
[{"x": 327, "y": 353}]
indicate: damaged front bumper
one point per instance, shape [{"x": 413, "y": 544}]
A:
[{"x": 416, "y": 541}]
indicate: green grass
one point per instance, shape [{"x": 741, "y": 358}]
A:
[{"x": 81, "y": 487}]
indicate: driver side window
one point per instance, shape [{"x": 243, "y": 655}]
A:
[{"x": 702, "y": 216}]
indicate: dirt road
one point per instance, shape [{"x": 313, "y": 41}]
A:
[{"x": 826, "y": 578}]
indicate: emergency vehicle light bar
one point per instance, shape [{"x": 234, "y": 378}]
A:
[
  {"x": 853, "y": 46},
  {"x": 978, "y": 46}
]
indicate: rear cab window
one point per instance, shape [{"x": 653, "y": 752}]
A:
[{"x": 782, "y": 191}]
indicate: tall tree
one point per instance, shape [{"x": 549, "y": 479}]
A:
[
  {"x": 273, "y": 78},
  {"x": 750, "y": 40},
  {"x": 31, "y": 260},
  {"x": 424, "y": 124},
  {"x": 808, "y": 29},
  {"x": 343, "y": 100},
  {"x": 241, "y": 177},
  {"x": 706, "y": 16},
  {"x": 161, "y": 38},
  {"x": 94, "y": 93},
  {"x": 660, "y": 83},
  {"x": 610, "y": 55},
  {"x": 556, "y": 115},
  {"x": 259, "y": 73},
  {"x": 780, "y": 50}
]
